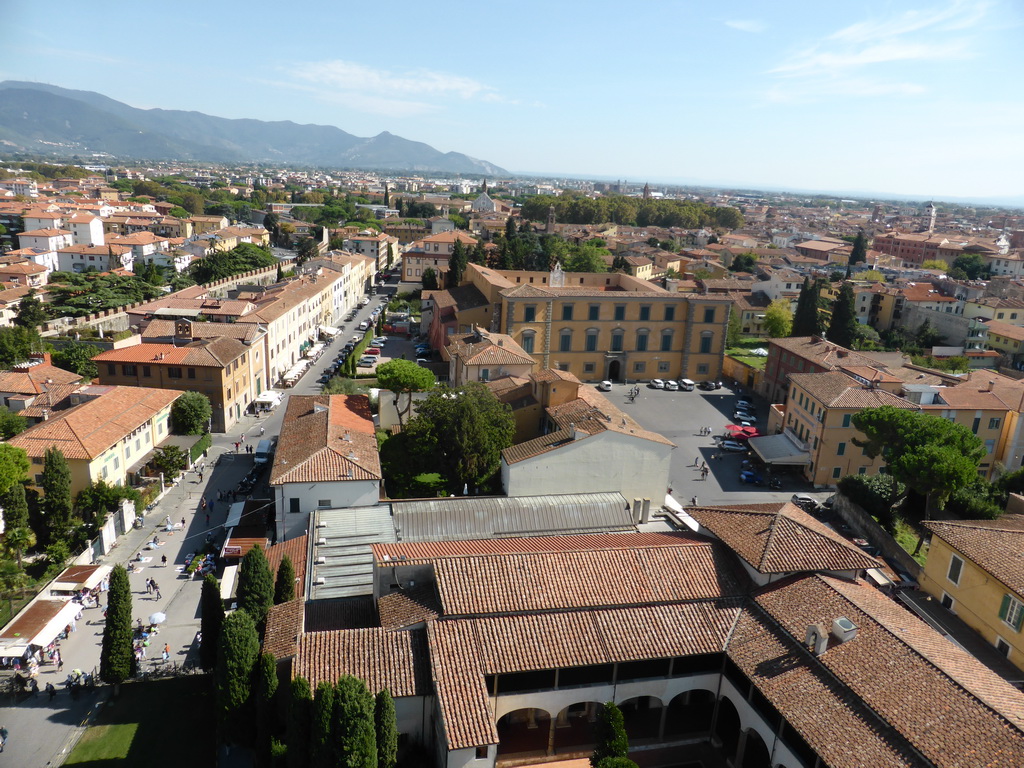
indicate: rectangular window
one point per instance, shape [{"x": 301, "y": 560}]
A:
[
  {"x": 293, "y": 506},
  {"x": 861, "y": 470},
  {"x": 841, "y": 449},
  {"x": 702, "y": 368},
  {"x": 709, "y": 315},
  {"x": 663, "y": 366},
  {"x": 591, "y": 342},
  {"x": 620, "y": 312},
  {"x": 481, "y": 753},
  {"x": 846, "y": 419},
  {"x": 947, "y": 602},
  {"x": 529, "y": 313},
  {"x": 567, "y": 311},
  {"x": 994, "y": 423},
  {"x": 1012, "y": 611},
  {"x": 670, "y": 313},
  {"x": 527, "y": 344},
  {"x": 1002, "y": 646},
  {"x": 837, "y": 472},
  {"x": 565, "y": 342},
  {"x": 174, "y": 373},
  {"x": 641, "y": 342},
  {"x": 485, "y": 374},
  {"x": 705, "y": 344},
  {"x": 666, "y": 342},
  {"x": 191, "y": 373},
  {"x": 588, "y": 367},
  {"x": 639, "y": 367},
  {"x": 645, "y": 312},
  {"x": 956, "y": 566},
  {"x": 594, "y": 312},
  {"x": 111, "y": 369},
  {"x": 128, "y": 370},
  {"x": 975, "y": 425},
  {"x": 146, "y": 372},
  {"x": 323, "y": 502}
]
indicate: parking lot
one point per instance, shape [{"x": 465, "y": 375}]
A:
[{"x": 679, "y": 416}]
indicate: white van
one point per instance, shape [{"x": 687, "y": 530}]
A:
[
  {"x": 264, "y": 451},
  {"x": 686, "y": 385},
  {"x": 364, "y": 325}
]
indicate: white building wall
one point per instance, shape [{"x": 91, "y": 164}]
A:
[
  {"x": 606, "y": 462},
  {"x": 350, "y": 493}
]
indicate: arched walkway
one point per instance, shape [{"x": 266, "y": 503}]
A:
[
  {"x": 689, "y": 714},
  {"x": 524, "y": 732},
  {"x": 755, "y": 751},
  {"x": 642, "y": 717},
  {"x": 727, "y": 727},
  {"x": 576, "y": 727}
]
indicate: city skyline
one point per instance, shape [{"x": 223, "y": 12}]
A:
[{"x": 917, "y": 101}]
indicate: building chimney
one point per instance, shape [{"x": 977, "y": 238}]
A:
[
  {"x": 843, "y": 629},
  {"x": 637, "y": 509},
  {"x": 645, "y": 511},
  {"x": 816, "y": 639}
]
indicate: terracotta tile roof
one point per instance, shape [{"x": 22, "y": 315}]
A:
[
  {"x": 247, "y": 332},
  {"x": 538, "y": 446},
  {"x": 462, "y": 697},
  {"x": 835, "y": 389},
  {"x": 786, "y": 540},
  {"x": 822, "y": 352},
  {"x": 284, "y": 627},
  {"x": 483, "y": 348},
  {"x": 296, "y": 550},
  {"x": 215, "y": 352},
  {"x": 996, "y": 546},
  {"x": 593, "y": 413},
  {"x": 970, "y": 398},
  {"x": 901, "y": 669},
  {"x": 326, "y": 438},
  {"x": 382, "y": 659},
  {"x": 408, "y": 607},
  {"x": 49, "y": 232},
  {"x": 97, "y": 250},
  {"x": 87, "y": 430},
  {"x": 35, "y": 379},
  {"x": 999, "y": 328}
]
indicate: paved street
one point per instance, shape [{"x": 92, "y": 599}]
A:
[{"x": 679, "y": 417}]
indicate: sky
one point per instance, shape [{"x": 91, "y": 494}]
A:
[{"x": 909, "y": 98}]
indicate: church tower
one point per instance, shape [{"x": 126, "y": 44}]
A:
[
  {"x": 647, "y": 191},
  {"x": 550, "y": 228},
  {"x": 931, "y": 212}
]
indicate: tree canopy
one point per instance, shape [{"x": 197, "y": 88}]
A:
[
  {"x": 17, "y": 343},
  {"x": 284, "y": 584},
  {"x": 255, "y": 584},
  {"x": 842, "y": 330},
  {"x": 778, "y": 319},
  {"x": 76, "y": 294},
  {"x": 31, "y": 311},
  {"x": 56, "y": 486},
  {"x": 611, "y": 739},
  {"x": 429, "y": 279},
  {"x": 191, "y": 413},
  {"x": 970, "y": 266},
  {"x": 221, "y": 264},
  {"x": 77, "y": 357},
  {"x": 744, "y": 262},
  {"x": 11, "y": 423},
  {"x": 859, "y": 253},
  {"x": 236, "y": 658},
  {"x": 806, "y": 319},
  {"x": 117, "y": 657},
  {"x": 403, "y": 377},
  {"x": 574, "y": 208}
]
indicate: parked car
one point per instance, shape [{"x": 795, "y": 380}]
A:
[
  {"x": 751, "y": 418},
  {"x": 367, "y": 362},
  {"x": 371, "y": 352},
  {"x": 605, "y": 386},
  {"x": 379, "y": 341},
  {"x": 324, "y": 378},
  {"x": 707, "y": 386},
  {"x": 805, "y": 501},
  {"x": 744, "y": 402},
  {"x": 750, "y": 476},
  {"x": 687, "y": 385},
  {"x": 423, "y": 361},
  {"x": 733, "y": 445},
  {"x": 671, "y": 386},
  {"x": 656, "y": 384}
]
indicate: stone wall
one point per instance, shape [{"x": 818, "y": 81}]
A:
[{"x": 865, "y": 527}]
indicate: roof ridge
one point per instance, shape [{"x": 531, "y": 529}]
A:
[{"x": 773, "y": 527}]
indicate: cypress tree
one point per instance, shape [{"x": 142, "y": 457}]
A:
[
  {"x": 320, "y": 752},
  {"x": 236, "y": 656},
  {"x": 56, "y": 485},
  {"x": 805, "y": 319},
  {"x": 300, "y": 713},
  {"x": 211, "y": 621},
  {"x": 117, "y": 657},
  {"x": 611, "y": 735},
  {"x": 860, "y": 249},
  {"x": 387, "y": 729},
  {"x": 457, "y": 264},
  {"x": 284, "y": 587},
  {"x": 843, "y": 328},
  {"x": 266, "y": 690},
  {"x": 353, "y": 736},
  {"x": 15, "y": 507},
  {"x": 255, "y": 585}
]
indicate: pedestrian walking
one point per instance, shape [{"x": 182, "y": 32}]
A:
[
  {"x": 696, "y": 460},
  {"x": 703, "y": 465},
  {"x": 200, "y": 476},
  {"x": 243, "y": 437},
  {"x": 202, "y": 504},
  {"x": 51, "y": 691},
  {"x": 156, "y": 588},
  {"x": 167, "y": 651},
  {"x": 163, "y": 559},
  {"x": 262, "y": 431},
  {"x": 60, "y": 661},
  {"x": 149, "y": 586},
  {"x": 183, "y": 523},
  {"x": 693, "y": 501}
]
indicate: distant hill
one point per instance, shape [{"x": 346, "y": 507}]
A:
[{"x": 35, "y": 117}]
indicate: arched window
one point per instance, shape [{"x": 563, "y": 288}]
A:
[
  {"x": 666, "y": 340},
  {"x": 565, "y": 340},
  {"x": 705, "y": 341},
  {"x": 641, "y": 339},
  {"x": 591, "y": 339},
  {"x": 617, "y": 336}
]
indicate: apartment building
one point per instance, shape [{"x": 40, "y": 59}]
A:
[
  {"x": 433, "y": 252},
  {"x": 225, "y": 369}
]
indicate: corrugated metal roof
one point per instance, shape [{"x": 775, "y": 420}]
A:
[
  {"x": 347, "y": 570},
  {"x": 500, "y": 517}
]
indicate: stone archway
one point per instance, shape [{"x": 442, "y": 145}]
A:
[
  {"x": 615, "y": 370},
  {"x": 524, "y": 733},
  {"x": 576, "y": 727},
  {"x": 642, "y": 716},
  {"x": 689, "y": 714},
  {"x": 727, "y": 727},
  {"x": 755, "y": 751}
]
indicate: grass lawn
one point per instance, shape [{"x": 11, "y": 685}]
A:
[
  {"x": 742, "y": 349},
  {"x": 160, "y": 723},
  {"x": 907, "y": 537}
]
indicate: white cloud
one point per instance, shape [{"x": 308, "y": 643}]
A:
[
  {"x": 869, "y": 58},
  {"x": 746, "y": 25}
]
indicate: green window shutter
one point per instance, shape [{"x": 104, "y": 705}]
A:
[
  {"x": 1019, "y": 621},
  {"x": 1005, "y": 607}
]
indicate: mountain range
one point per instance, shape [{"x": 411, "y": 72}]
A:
[{"x": 46, "y": 119}]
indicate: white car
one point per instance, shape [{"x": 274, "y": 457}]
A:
[
  {"x": 605, "y": 386},
  {"x": 671, "y": 386},
  {"x": 656, "y": 384}
]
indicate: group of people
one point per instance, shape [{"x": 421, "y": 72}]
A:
[
  {"x": 705, "y": 431},
  {"x": 153, "y": 588},
  {"x": 633, "y": 392}
]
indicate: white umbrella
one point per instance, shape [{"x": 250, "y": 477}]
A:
[{"x": 157, "y": 618}]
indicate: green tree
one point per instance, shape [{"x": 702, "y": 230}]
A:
[
  {"x": 391, "y": 255},
  {"x": 353, "y": 736},
  {"x": 938, "y": 264},
  {"x": 871, "y": 275},
  {"x": 307, "y": 249},
  {"x": 15, "y": 506},
  {"x": 744, "y": 262},
  {"x": 117, "y": 657},
  {"x": 266, "y": 692},
  {"x": 100, "y": 498},
  {"x": 586, "y": 258},
  {"x": 466, "y": 429},
  {"x": 17, "y": 541},
  {"x": 211, "y": 618},
  {"x": 56, "y": 486},
  {"x": 17, "y": 343},
  {"x": 429, "y": 279},
  {"x": 77, "y": 357},
  {"x": 178, "y": 212},
  {"x": 193, "y": 203},
  {"x": 13, "y": 466},
  {"x": 171, "y": 460},
  {"x": 843, "y": 328},
  {"x": 386, "y": 727},
  {"x": 778, "y": 319},
  {"x": 221, "y": 264},
  {"x": 972, "y": 265},
  {"x": 31, "y": 312},
  {"x": 457, "y": 264},
  {"x": 280, "y": 274},
  {"x": 11, "y": 424},
  {"x": 403, "y": 377},
  {"x": 859, "y": 254},
  {"x": 191, "y": 413},
  {"x": 611, "y": 735},
  {"x": 236, "y": 657},
  {"x": 806, "y": 319},
  {"x": 299, "y": 719},
  {"x": 255, "y": 585},
  {"x": 734, "y": 330},
  {"x": 320, "y": 743},
  {"x": 284, "y": 586},
  {"x": 927, "y": 337}
]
